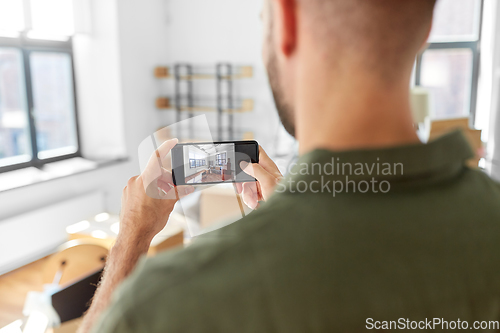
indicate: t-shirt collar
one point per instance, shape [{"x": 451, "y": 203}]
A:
[{"x": 400, "y": 165}]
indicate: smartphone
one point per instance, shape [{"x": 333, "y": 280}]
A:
[{"x": 203, "y": 163}]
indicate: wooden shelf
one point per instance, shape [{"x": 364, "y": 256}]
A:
[
  {"x": 223, "y": 75},
  {"x": 242, "y": 72},
  {"x": 245, "y": 105}
]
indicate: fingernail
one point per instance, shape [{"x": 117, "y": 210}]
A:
[
  {"x": 243, "y": 164},
  {"x": 171, "y": 186},
  {"x": 254, "y": 205}
]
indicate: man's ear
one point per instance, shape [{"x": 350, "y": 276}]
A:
[
  {"x": 425, "y": 45},
  {"x": 286, "y": 20}
]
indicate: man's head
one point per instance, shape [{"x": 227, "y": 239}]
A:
[{"x": 379, "y": 38}]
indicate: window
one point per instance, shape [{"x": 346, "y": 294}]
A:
[
  {"x": 221, "y": 159},
  {"x": 195, "y": 163},
  {"x": 449, "y": 68},
  {"x": 38, "y": 122}
]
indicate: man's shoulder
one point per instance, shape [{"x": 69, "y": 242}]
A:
[
  {"x": 482, "y": 188},
  {"x": 229, "y": 245},
  {"x": 481, "y": 178},
  {"x": 219, "y": 270}
]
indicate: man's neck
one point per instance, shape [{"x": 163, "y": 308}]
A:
[{"x": 349, "y": 114}]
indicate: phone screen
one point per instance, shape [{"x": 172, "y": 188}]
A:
[{"x": 212, "y": 163}]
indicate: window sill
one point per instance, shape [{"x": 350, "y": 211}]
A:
[{"x": 56, "y": 170}]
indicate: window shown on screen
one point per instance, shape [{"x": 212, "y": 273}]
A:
[
  {"x": 221, "y": 159},
  {"x": 196, "y": 160},
  {"x": 449, "y": 67},
  {"x": 38, "y": 122}
]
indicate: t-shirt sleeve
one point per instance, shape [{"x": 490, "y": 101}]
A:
[{"x": 113, "y": 320}]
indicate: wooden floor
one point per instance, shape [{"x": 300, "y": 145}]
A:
[
  {"x": 13, "y": 289},
  {"x": 212, "y": 178}
]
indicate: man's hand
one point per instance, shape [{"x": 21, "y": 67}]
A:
[
  {"x": 267, "y": 174},
  {"x": 147, "y": 202},
  {"x": 148, "y": 199}
]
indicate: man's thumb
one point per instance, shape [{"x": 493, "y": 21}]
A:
[{"x": 257, "y": 171}]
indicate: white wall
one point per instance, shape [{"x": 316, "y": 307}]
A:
[
  {"x": 206, "y": 32},
  {"x": 31, "y": 236}
]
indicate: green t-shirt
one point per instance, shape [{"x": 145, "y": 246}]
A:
[{"x": 422, "y": 242}]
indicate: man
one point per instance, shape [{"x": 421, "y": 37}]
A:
[{"x": 325, "y": 253}]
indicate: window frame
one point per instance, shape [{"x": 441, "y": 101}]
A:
[
  {"x": 221, "y": 159},
  {"x": 474, "y": 46},
  {"x": 26, "y": 46}
]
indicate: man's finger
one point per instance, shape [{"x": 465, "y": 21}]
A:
[
  {"x": 249, "y": 194},
  {"x": 239, "y": 187},
  {"x": 154, "y": 168},
  {"x": 258, "y": 172},
  {"x": 155, "y": 161},
  {"x": 165, "y": 148},
  {"x": 171, "y": 192},
  {"x": 165, "y": 187},
  {"x": 166, "y": 176},
  {"x": 268, "y": 163},
  {"x": 184, "y": 190}
]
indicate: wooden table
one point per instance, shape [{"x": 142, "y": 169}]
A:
[
  {"x": 13, "y": 289},
  {"x": 15, "y": 285}
]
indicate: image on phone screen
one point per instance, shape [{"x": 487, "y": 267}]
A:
[{"x": 212, "y": 163}]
